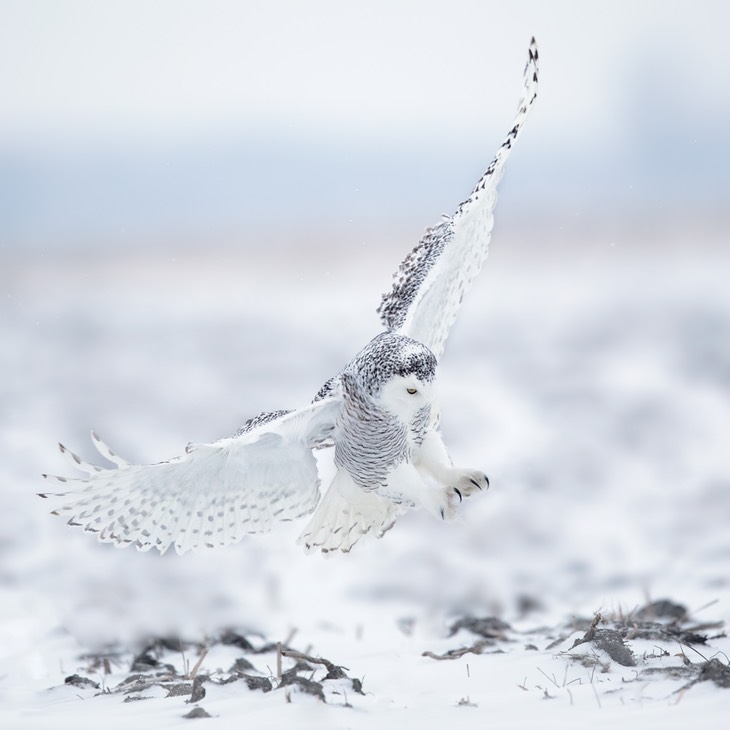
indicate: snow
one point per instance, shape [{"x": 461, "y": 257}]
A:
[{"x": 591, "y": 385}]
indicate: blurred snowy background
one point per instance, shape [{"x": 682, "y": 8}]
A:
[{"x": 200, "y": 205}]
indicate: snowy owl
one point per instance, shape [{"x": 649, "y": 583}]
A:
[{"x": 378, "y": 414}]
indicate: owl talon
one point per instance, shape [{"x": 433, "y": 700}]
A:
[{"x": 467, "y": 482}]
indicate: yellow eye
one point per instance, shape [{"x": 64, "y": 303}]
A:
[{"x": 411, "y": 391}]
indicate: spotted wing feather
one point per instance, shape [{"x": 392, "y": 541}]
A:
[
  {"x": 430, "y": 283},
  {"x": 211, "y": 495}
]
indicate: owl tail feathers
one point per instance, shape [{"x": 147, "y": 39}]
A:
[{"x": 346, "y": 513}]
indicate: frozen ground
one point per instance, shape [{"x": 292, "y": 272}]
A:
[{"x": 592, "y": 385}]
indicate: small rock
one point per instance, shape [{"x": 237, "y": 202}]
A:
[
  {"x": 674, "y": 671},
  {"x": 306, "y": 685},
  {"x": 83, "y": 682},
  {"x": 357, "y": 686},
  {"x": 611, "y": 642},
  {"x": 195, "y": 713},
  {"x": 172, "y": 643},
  {"x": 231, "y": 638},
  {"x": 489, "y": 627},
  {"x": 334, "y": 671},
  {"x": 241, "y": 666},
  {"x": 406, "y": 625},
  {"x": 143, "y": 662},
  {"x": 180, "y": 690},
  {"x": 261, "y": 683},
  {"x": 662, "y": 609},
  {"x": 300, "y": 666},
  {"x": 527, "y": 605},
  {"x": 198, "y": 691},
  {"x": 716, "y": 671}
]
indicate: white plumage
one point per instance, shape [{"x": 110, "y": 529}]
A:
[{"x": 378, "y": 414}]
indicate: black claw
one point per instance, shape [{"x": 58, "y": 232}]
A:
[
  {"x": 442, "y": 514},
  {"x": 476, "y": 484},
  {"x": 461, "y": 499},
  {"x": 487, "y": 479}
]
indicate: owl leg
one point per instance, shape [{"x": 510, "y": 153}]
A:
[
  {"x": 406, "y": 485},
  {"x": 433, "y": 459}
]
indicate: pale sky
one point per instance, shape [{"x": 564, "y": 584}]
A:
[
  {"x": 119, "y": 116},
  {"x": 382, "y": 67}
]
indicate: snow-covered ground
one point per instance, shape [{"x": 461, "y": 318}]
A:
[{"x": 593, "y": 386}]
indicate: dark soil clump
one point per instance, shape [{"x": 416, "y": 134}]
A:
[
  {"x": 489, "y": 627},
  {"x": 714, "y": 670},
  {"x": 83, "y": 682},
  {"x": 195, "y": 713}
]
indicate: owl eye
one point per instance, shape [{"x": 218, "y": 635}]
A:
[{"x": 411, "y": 391}]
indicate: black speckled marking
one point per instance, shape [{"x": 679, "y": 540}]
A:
[
  {"x": 260, "y": 420},
  {"x": 391, "y": 354},
  {"x": 413, "y": 271},
  {"x": 331, "y": 387}
]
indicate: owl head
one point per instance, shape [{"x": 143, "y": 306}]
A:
[{"x": 397, "y": 371}]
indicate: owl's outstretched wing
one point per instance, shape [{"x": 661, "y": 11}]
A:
[
  {"x": 212, "y": 495},
  {"x": 430, "y": 283}
]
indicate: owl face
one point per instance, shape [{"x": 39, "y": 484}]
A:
[{"x": 405, "y": 395}]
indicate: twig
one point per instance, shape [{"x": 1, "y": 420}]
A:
[
  {"x": 707, "y": 605},
  {"x": 202, "y": 656},
  {"x": 476, "y": 648},
  {"x": 694, "y": 650},
  {"x": 315, "y": 660},
  {"x": 552, "y": 679}
]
